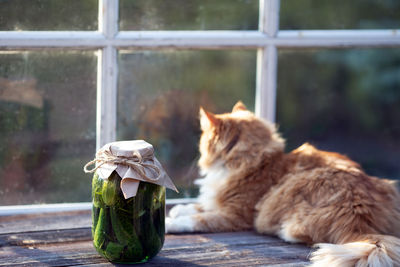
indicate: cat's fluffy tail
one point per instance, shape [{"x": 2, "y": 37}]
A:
[{"x": 372, "y": 251}]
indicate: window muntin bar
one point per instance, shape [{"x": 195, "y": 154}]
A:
[
  {"x": 200, "y": 39},
  {"x": 107, "y": 73}
]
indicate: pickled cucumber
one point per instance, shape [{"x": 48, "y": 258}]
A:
[
  {"x": 95, "y": 218},
  {"x": 127, "y": 230},
  {"x": 114, "y": 251},
  {"x": 110, "y": 190},
  {"x": 101, "y": 229},
  {"x": 97, "y": 185},
  {"x": 149, "y": 237}
]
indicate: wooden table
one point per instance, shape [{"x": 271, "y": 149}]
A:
[{"x": 64, "y": 239}]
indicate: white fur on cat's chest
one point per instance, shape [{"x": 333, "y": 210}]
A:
[{"x": 216, "y": 177}]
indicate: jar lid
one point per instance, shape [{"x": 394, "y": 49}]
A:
[
  {"x": 126, "y": 148},
  {"x": 134, "y": 161}
]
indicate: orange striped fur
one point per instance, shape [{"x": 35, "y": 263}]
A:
[{"x": 308, "y": 195}]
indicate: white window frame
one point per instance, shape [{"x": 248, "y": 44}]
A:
[{"x": 108, "y": 40}]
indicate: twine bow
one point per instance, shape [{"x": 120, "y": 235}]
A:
[{"x": 136, "y": 162}]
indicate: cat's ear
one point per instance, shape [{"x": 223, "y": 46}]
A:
[
  {"x": 207, "y": 119},
  {"x": 239, "y": 106}
]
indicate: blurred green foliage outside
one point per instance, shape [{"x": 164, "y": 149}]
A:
[
  {"x": 48, "y": 15},
  {"x": 339, "y": 14},
  {"x": 188, "y": 15},
  {"x": 343, "y": 100},
  {"x": 47, "y": 125}
]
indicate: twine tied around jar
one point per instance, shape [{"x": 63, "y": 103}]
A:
[
  {"x": 136, "y": 162},
  {"x": 133, "y": 161}
]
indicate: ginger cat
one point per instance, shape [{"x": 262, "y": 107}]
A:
[{"x": 309, "y": 196}]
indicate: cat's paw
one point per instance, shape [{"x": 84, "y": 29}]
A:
[
  {"x": 179, "y": 224},
  {"x": 183, "y": 210}
]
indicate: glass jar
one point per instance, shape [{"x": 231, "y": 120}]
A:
[{"x": 127, "y": 230}]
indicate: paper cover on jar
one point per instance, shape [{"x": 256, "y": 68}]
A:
[{"x": 134, "y": 161}]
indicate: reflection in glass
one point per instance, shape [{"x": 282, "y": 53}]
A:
[
  {"x": 48, "y": 15},
  {"x": 47, "y": 126},
  {"x": 160, "y": 94},
  {"x": 188, "y": 15},
  {"x": 339, "y": 14},
  {"x": 343, "y": 100}
]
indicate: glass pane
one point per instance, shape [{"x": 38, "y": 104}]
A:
[
  {"x": 160, "y": 94},
  {"x": 345, "y": 101},
  {"x": 47, "y": 126},
  {"x": 339, "y": 14},
  {"x": 188, "y": 15},
  {"x": 48, "y": 15}
]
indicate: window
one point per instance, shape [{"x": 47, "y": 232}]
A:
[{"x": 98, "y": 71}]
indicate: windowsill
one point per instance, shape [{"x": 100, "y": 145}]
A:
[
  {"x": 67, "y": 207},
  {"x": 64, "y": 238}
]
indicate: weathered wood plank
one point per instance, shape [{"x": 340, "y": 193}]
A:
[
  {"x": 51, "y": 221},
  {"x": 45, "y": 237},
  {"x": 221, "y": 249},
  {"x": 64, "y": 239},
  {"x": 45, "y": 221}
]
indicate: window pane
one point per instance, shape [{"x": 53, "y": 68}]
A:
[
  {"x": 47, "y": 126},
  {"x": 339, "y": 14},
  {"x": 343, "y": 100},
  {"x": 188, "y": 15},
  {"x": 160, "y": 94},
  {"x": 50, "y": 15}
]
